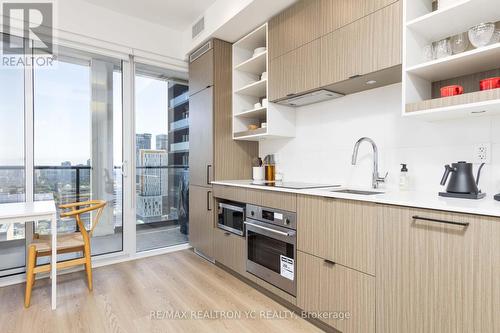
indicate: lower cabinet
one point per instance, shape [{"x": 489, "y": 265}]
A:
[
  {"x": 341, "y": 297},
  {"x": 229, "y": 250},
  {"x": 201, "y": 220},
  {"x": 437, "y": 276}
]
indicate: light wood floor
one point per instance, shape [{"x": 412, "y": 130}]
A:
[{"x": 126, "y": 293}]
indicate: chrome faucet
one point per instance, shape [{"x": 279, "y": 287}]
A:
[{"x": 376, "y": 179}]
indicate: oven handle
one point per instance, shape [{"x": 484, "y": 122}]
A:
[{"x": 282, "y": 233}]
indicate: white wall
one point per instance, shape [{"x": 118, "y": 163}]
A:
[{"x": 326, "y": 133}]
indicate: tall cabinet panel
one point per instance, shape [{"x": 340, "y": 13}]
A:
[
  {"x": 201, "y": 134},
  {"x": 213, "y": 153}
]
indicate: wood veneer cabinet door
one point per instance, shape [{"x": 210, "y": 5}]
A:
[
  {"x": 230, "y": 250},
  {"x": 296, "y": 72},
  {"x": 324, "y": 287},
  {"x": 201, "y": 138},
  {"x": 368, "y": 45},
  {"x": 436, "y": 277},
  {"x": 272, "y": 199},
  {"x": 201, "y": 220},
  {"x": 201, "y": 72},
  {"x": 294, "y": 27},
  {"x": 338, "y": 13},
  {"x": 343, "y": 231}
]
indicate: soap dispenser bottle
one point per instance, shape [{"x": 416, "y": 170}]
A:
[{"x": 404, "y": 178}]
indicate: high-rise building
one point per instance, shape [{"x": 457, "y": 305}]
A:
[
  {"x": 153, "y": 182},
  {"x": 142, "y": 141},
  {"x": 162, "y": 142}
]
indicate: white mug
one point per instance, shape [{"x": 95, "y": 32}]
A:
[
  {"x": 264, "y": 103},
  {"x": 258, "y": 173},
  {"x": 263, "y": 76}
]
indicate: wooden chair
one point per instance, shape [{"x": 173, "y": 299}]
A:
[{"x": 66, "y": 243}]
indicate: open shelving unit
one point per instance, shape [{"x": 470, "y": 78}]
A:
[
  {"x": 422, "y": 78},
  {"x": 250, "y": 88}
]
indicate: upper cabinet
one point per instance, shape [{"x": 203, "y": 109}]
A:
[
  {"x": 201, "y": 72},
  {"x": 295, "y": 72},
  {"x": 370, "y": 44},
  {"x": 345, "y": 46},
  {"x": 338, "y": 13},
  {"x": 294, "y": 27}
]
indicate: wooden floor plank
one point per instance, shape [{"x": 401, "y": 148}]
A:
[{"x": 125, "y": 294}]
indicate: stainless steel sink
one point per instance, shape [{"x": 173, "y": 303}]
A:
[{"x": 359, "y": 192}]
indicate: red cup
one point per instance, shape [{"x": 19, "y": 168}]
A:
[
  {"x": 489, "y": 83},
  {"x": 452, "y": 91}
]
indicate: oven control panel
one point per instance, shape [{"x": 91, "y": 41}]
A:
[{"x": 273, "y": 216}]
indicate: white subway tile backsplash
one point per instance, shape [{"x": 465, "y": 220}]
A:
[{"x": 326, "y": 133}]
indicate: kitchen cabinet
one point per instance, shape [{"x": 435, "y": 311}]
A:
[
  {"x": 200, "y": 137},
  {"x": 335, "y": 290},
  {"x": 294, "y": 27},
  {"x": 272, "y": 199},
  {"x": 295, "y": 72},
  {"x": 343, "y": 231},
  {"x": 433, "y": 276},
  {"x": 201, "y": 220},
  {"x": 370, "y": 44},
  {"x": 338, "y": 13},
  {"x": 213, "y": 154},
  {"x": 230, "y": 250},
  {"x": 201, "y": 72},
  {"x": 232, "y": 193}
]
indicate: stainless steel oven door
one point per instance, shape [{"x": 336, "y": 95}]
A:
[{"x": 271, "y": 254}]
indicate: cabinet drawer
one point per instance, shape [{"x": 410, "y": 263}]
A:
[
  {"x": 343, "y": 231},
  {"x": 271, "y": 199},
  {"x": 435, "y": 276},
  {"x": 294, "y": 27},
  {"x": 295, "y": 72},
  {"x": 368, "y": 45},
  {"x": 338, "y": 13},
  {"x": 232, "y": 193},
  {"x": 229, "y": 250},
  {"x": 333, "y": 288}
]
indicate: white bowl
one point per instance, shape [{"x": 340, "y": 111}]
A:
[{"x": 259, "y": 50}]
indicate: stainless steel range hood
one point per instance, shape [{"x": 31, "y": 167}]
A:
[{"x": 310, "y": 98}]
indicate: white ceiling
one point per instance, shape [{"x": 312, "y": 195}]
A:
[{"x": 174, "y": 14}]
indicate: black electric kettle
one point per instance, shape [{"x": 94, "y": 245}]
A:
[{"x": 462, "y": 183}]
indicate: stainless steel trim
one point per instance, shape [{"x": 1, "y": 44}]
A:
[
  {"x": 231, "y": 230},
  {"x": 232, "y": 207},
  {"x": 287, "y": 234}
]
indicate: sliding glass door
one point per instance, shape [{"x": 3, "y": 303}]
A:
[
  {"x": 77, "y": 141},
  {"x": 162, "y": 151},
  {"x": 12, "y": 154}
]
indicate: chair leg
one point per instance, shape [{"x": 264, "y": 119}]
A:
[
  {"x": 30, "y": 275},
  {"x": 88, "y": 265}
]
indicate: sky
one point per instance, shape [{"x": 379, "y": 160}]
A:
[{"x": 62, "y": 115}]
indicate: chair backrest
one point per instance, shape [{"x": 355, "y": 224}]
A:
[{"x": 78, "y": 208}]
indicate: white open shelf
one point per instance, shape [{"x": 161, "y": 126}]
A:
[
  {"x": 455, "y": 18},
  {"x": 423, "y": 27},
  {"x": 259, "y": 113},
  {"x": 255, "y": 65},
  {"x": 249, "y": 89},
  {"x": 458, "y": 111},
  {"x": 473, "y": 61},
  {"x": 256, "y": 89}
]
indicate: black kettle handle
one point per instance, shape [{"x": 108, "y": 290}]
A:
[
  {"x": 447, "y": 170},
  {"x": 479, "y": 173}
]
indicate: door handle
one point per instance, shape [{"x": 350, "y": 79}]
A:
[
  {"x": 209, "y": 194},
  {"x": 329, "y": 262},
  {"x": 269, "y": 229},
  {"x": 463, "y": 224},
  {"x": 208, "y": 174}
]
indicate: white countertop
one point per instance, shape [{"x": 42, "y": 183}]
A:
[
  {"x": 27, "y": 209},
  {"x": 429, "y": 200}
]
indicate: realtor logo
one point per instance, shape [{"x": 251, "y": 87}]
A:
[{"x": 31, "y": 20}]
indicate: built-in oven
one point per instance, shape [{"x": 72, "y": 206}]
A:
[
  {"x": 271, "y": 246},
  {"x": 231, "y": 217}
]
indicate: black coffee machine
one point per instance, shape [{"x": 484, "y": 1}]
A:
[{"x": 462, "y": 183}]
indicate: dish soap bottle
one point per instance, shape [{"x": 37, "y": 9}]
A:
[{"x": 404, "y": 178}]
